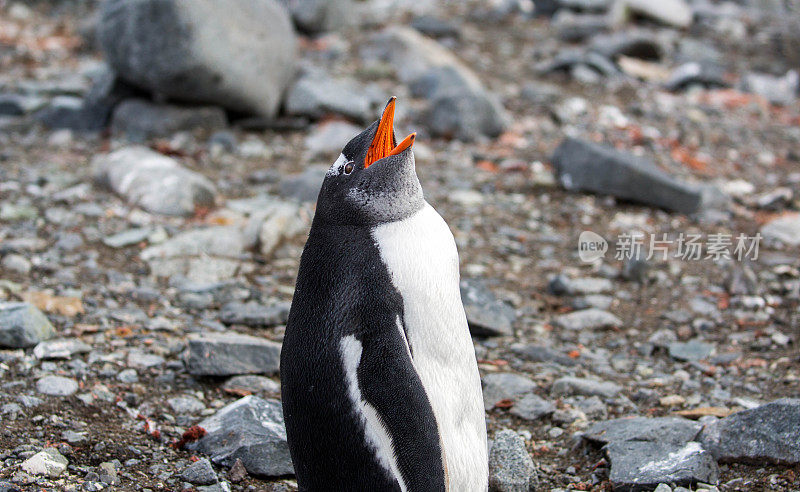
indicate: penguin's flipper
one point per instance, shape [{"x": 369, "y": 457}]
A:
[{"x": 405, "y": 426}]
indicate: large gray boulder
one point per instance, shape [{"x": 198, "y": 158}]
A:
[{"x": 239, "y": 54}]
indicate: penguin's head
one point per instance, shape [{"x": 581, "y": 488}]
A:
[{"x": 373, "y": 181}]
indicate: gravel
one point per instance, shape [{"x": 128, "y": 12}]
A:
[{"x": 212, "y": 252}]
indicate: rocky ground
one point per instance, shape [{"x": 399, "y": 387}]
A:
[{"x": 149, "y": 244}]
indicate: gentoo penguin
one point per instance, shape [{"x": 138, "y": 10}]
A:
[{"x": 380, "y": 385}]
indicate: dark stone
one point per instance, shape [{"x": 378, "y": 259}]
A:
[
  {"x": 140, "y": 120},
  {"x": 251, "y": 430},
  {"x": 318, "y": 16},
  {"x": 635, "y": 44},
  {"x": 674, "y": 430},
  {"x": 642, "y": 465},
  {"x": 18, "y": 104},
  {"x": 466, "y": 116},
  {"x": 538, "y": 353},
  {"x": 694, "y": 73},
  {"x": 769, "y": 433},
  {"x": 532, "y": 407},
  {"x": 71, "y": 112},
  {"x": 574, "y": 28},
  {"x": 691, "y": 350},
  {"x": 23, "y": 325},
  {"x": 436, "y": 27},
  {"x": 567, "y": 59},
  {"x": 586, "y": 166},
  {"x": 486, "y": 314},
  {"x": 200, "y": 473}
]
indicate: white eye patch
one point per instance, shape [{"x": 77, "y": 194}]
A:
[{"x": 337, "y": 166}]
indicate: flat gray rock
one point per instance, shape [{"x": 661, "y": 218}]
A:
[
  {"x": 532, "y": 407},
  {"x": 504, "y": 385},
  {"x": 486, "y": 314},
  {"x": 254, "y": 314},
  {"x": 540, "y": 353},
  {"x": 511, "y": 468},
  {"x": 62, "y": 348},
  {"x": 252, "y": 384},
  {"x": 56, "y": 386},
  {"x": 49, "y": 463},
  {"x": 127, "y": 237},
  {"x": 224, "y": 241},
  {"x": 564, "y": 285},
  {"x": 642, "y": 465},
  {"x": 227, "y": 354},
  {"x": 184, "y": 49},
  {"x": 155, "y": 182},
  {"x": 186, "y": 405},
  {"x": 22, "y": 325},
  {"x": 587, "y": 319},
  {"x": 675, "y": 430},
  {"x": 568, "y": 385},
  {"x": 587, "y": 166},
  {"x": 249, "y": 429},
  {"x": 675, "y": 13},
  {"x": 769, "y": 433},
  {"x": 691, "y": 350}
]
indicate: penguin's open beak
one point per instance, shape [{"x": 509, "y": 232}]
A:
[{"x": 383, "y": 144}]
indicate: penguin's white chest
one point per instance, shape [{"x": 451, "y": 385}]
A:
[{"x": 420, "y": 254}]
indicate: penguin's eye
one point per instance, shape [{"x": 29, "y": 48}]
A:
[{"x": 348, "y": 168}]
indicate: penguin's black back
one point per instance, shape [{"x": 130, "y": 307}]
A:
[{"x": 343, "y": 288}]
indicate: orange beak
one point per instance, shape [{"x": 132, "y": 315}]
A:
[{"x": 383, "y": 144}]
